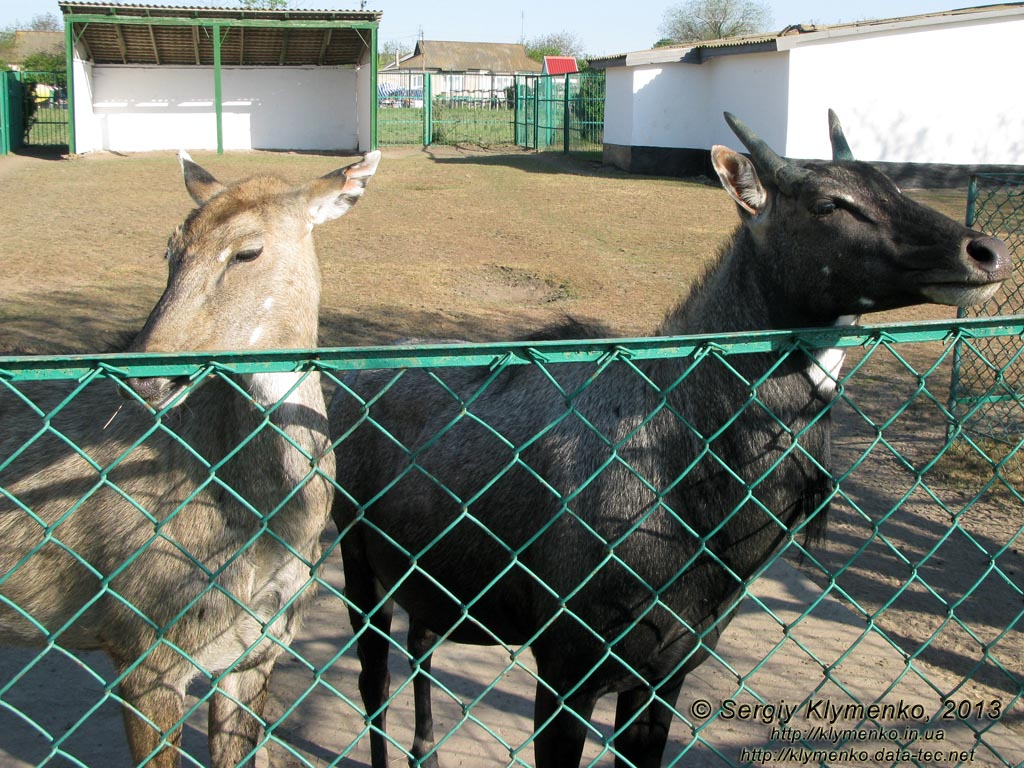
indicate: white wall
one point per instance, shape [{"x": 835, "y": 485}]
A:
[
  {"x": 934, "y": 93},
  {"x": 86, "y": 136},
  {"x": 138, "y": 108},
  {"x": 681, "y": 105},
  {"x": 943, "y": 94}
]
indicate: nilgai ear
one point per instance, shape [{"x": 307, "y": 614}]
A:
[
  {"x": 739, "y": 179},
  {"x": 332, "y": 195},
  {"x": 199, "y": 183}
]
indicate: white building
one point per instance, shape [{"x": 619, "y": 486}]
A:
[
  {"x": 160, "y": 77},
  {"x": 932, "y": 91}
]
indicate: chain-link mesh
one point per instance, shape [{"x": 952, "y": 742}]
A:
[
  {"x": 988, "y": 380},
  {"x": 900, "y": 643}
]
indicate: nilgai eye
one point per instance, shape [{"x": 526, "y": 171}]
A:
[
  {"x": 250, "y": 254},
  {"x": 822, "y": 208}
]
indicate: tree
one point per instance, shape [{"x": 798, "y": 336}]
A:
[
  {"x": 714, "y": 19},
  {"x": 53, "y": 64},
  {"x": 557, "y": 44},
  {"x": 393, "y": 49},
  {"x": 46, "y": 22}
]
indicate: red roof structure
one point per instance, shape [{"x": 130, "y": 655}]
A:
[{"x": 560, "y": 65}]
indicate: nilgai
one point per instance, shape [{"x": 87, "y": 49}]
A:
[
  {"x": 613, "y": 528},
  {"x": 175, "y": 526}
]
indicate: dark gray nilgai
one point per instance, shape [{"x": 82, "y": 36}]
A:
[
  {"x": 620, "y": 553},
  {"x": 140, "y": 551}
]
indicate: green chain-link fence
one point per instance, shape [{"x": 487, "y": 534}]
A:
[
  {"x": 987, "y": 387},
  {"x": 901, "y": 643}
]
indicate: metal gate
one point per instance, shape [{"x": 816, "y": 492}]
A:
[
  {"x": 560, "y": 112},
  {"x": 44, "y": 109},
  {"x": 33, "y": 110}
]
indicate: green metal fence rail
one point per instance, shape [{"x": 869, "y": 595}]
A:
[
  {"x": 985, "y": 388},
  {"x": 902, "y": 643}
]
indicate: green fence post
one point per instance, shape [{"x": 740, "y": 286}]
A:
[
  {"x": 69, "y": 55},
  {"x": 565, "y": 117},
  {"x": 5, "y": 116},
  {"x": 218, "y": 105},
  {"x": 428, "y": 118},
  {"x": 536, "y": 113},
  {"x": 515, "y": 110},
  {"x": 374, "y": 66}
]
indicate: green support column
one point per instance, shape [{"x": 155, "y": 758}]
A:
[
  {"x": 373, "y": 88},
  {"x": 69, "y": 54},
  {"x": 218, "y": 105},
  {"x": 5, "y": 115},
  {"x": 565, "y": 117},
  {"x": 428, "y": 118}
]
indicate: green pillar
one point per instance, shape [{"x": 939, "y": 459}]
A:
[
  {"x": 69, "y": 55},
  {"x": 373, "y": 87},
  {"x": 428, "y": 119},
  {"x": 565, "y": 117},
  {"x": 218, "y": 105}
]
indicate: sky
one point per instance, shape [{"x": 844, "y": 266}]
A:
[{"x": 604, "y": 26}]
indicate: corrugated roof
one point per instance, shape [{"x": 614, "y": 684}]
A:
[
  {"x": 250, "y": 37},
  {"x": 780, "y": 40},
  {"x": 449, "y": 56},
  {"x": 208, "y": 12}
]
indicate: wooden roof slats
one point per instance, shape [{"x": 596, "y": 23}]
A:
[{"x": 142, "y": 35}]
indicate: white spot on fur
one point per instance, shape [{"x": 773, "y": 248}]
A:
[
  {"x": 255, "y": 335},
  {"x": 268, "y": 302},
  {"x": 224, "y": 255},
  {"x": 271, "y": 388},
  {"x": 825, "y": 372}
]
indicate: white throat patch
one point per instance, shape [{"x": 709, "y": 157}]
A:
[{"x": 824, "y": 372}]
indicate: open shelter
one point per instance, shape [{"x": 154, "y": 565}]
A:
[{"x": 148, "y": 77}]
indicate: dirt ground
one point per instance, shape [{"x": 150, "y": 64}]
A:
[{"x": 479, "y": 245}]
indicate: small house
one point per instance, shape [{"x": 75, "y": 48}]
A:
[{"x": 925, "y": 94}]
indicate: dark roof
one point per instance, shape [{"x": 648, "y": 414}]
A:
[
  {"x": 448, "y": 56},
  {"x": 159, "y": 34},
  {"x": 770, "y": 41}
]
